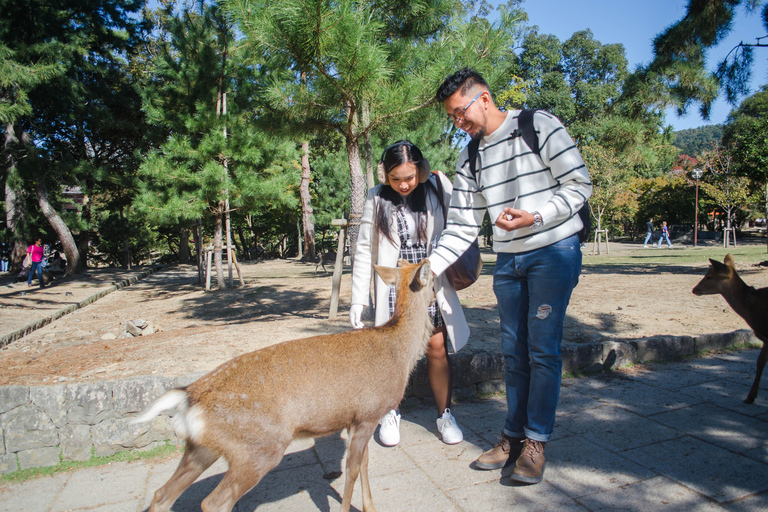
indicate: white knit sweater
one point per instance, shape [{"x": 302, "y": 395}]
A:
[{"x": 509, "y": 174}]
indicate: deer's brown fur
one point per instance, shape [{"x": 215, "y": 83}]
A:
[
  {"x": 249, "y": 409},
  {"x": 749, "y": 303}
]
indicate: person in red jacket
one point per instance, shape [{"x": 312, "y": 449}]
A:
[{"x": 35, "y": 253}]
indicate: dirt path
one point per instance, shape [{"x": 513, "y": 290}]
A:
[{"x": 285, "y": 299}]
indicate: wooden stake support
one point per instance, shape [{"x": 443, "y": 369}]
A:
[
  {"x": 338, "y": 266},
  {"x": 596, "y": 243}
]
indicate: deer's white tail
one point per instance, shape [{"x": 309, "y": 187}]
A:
[{"x": 187, "y": 422}]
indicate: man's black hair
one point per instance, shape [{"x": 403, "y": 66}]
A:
[{"x": 463, "y": 79}]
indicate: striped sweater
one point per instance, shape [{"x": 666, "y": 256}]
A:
[{"x": 509, "y": 174}]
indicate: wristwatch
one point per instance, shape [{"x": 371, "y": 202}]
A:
[{"x": 537, "y": 221}]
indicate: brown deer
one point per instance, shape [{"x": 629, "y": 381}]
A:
[
  {"x": 751, "y": 304},
  {"x": 250, "y": 408},
  {"x": 325, "y": 258}
]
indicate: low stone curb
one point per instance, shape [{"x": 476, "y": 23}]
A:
[
  {"x": 42, "y": 322},
  {"x": 42, "y": 425}
]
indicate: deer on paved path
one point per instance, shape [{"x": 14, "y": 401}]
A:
[
  {"x": 249, "y": 409},
  {"x": 751, "y": 304}
]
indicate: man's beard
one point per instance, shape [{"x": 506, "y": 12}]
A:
[{"x": 478, "y": 135}]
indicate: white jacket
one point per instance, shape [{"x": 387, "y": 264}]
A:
[{"x": 376, "y": 248}]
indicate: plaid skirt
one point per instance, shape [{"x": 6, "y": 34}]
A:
[{"x": 412, "y": 254}]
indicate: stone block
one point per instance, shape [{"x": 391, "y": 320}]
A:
[
  {"x": 491, "y": 386},
  {"x": 75, "y": 442},
  {"x": 133, "y": 395},
  {"x": 714, "y": 341},
  {"x": 132, "y": 328},
  {"x": 52, "y": 400},
  {"x": 110, "y": 437},
  {"x": 617, "y": 355},
  {"x": 475, "y": 368},
  {"x": 28, "y": 427},
  {"x": 663, "y": 348},
  {"x": 89, "y": 403},
  {"x": 464, "y": 393},
  {"x": 13, "y": 396},
  {"x": 418, "y": 384},
  {"x": 186, "y": 380},
  {"x": 38, "y": 457},
  {"x": 8, "y": 463},
  {"x": 580, "y": 356}
]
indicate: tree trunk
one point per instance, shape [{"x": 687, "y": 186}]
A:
[
  {"x": 357, "y": 193},
  {"x": 365, "y": 115},
  {"x": 74, "y": 263},
  {"x": 196, "y": 235},
  {"x": 184, "y": 256},
  {"x": 15, "y": 210},
  {"x": 126, "y": 247},
  {"x": 306, "y": 205},
  {"x": 218, "y": 235},
  {"x": 84, "y": 239}
]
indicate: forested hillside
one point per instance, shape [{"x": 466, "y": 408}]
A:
[{"x": 695, "y": 140}]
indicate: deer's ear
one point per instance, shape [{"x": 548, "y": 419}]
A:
[
  {"x": 729, "y": 261},
  {"x": 423, "y": 274},
  {"x": 387, "y": 274},
  {"x": 720, "y": 268}
]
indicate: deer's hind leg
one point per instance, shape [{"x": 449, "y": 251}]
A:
[
  {"x": 761, "y": 360},
  {"x": 357, "y": 464},
  {"x": 196, "y": 459},
  {"x": 248, "y": 463}
]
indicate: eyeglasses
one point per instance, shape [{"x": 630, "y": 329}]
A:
[{"x": 456, "y": 119}]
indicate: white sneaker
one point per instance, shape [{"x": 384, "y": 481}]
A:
[
  {"x": 449, "y": 429},
  {"x": 389, "y": 433}
]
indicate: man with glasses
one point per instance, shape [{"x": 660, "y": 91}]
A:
[{"x": 534, "y": 201}]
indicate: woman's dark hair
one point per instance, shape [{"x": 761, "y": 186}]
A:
[{"x": 395, "y": 155}]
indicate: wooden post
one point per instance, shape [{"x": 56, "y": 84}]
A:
[
  {"x": 237, "y": 267},
  {"x": 596, "y": 243},
  {"x": 208, "y": 254},
  {"x": 338, "y": 266}
]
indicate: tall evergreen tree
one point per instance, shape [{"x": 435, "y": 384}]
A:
[
  {"x": 203, "y": 94},
  {"x": 367, "y": 64},
  {"x": 86, "y": 41}
]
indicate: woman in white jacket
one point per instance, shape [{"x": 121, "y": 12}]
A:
[{"x": 403, "y": 218}]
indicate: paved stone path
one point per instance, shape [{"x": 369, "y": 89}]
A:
[{"x": 671, "y": 437}]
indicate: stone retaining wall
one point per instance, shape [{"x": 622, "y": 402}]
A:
[{"x": 42, "y": 425}]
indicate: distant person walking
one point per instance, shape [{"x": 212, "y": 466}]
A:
[
  {"x": 648, "y": 233},
  {"x": 35, "y": 252},
  {"x": 5, "y": 256},
  {"x": 664, "y": 234}
]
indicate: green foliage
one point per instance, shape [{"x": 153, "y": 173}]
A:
[
  {"x": 197, "y": 165},
  {"x": 695, "y": 141},
  {"x": 746, "y": 133},
  {"x": 578, "y": 80},
  {"x": 679, "y": 65}
]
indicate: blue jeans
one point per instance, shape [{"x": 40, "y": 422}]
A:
[
  {"x": 663, "y": 237},
  {"x": 648, "y": 238},
  {"x": 36, "y": 265},
  {"x": 533, "y": 290}
]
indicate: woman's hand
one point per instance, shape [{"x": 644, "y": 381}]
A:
[
  {"x": 511, "y": 219},
  {"x": 355, "y": 316}
]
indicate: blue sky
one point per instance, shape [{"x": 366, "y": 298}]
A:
[{"x": 635, "y": 24}]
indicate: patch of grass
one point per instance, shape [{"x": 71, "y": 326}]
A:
[
  {"x": 753, "y": 253},
  {"x": 22, "y": 475}
]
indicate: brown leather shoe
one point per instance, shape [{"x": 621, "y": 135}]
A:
[
  {"x": 529, "y": 467},
  {"x": 497, "y": 457}
]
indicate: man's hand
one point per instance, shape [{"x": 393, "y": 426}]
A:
[{"x": 511, "y": 219}]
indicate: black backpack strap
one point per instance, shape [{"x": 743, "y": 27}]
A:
[
  {"x": 527, "y": 130},
  {"x": 473, "y": 148}
]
